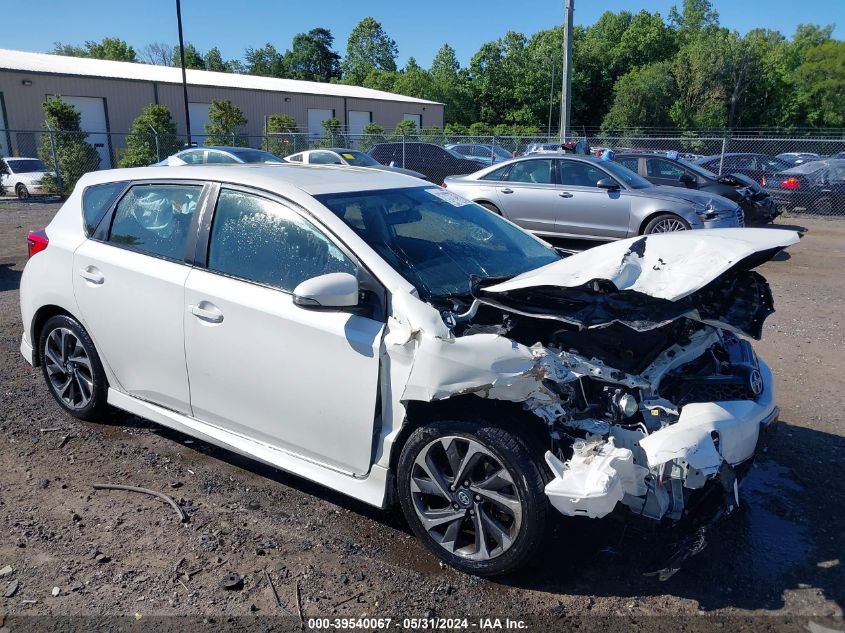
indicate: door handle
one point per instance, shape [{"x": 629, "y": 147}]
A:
[
  {"x": 206, "y": 311},
  {"x": 506, "y": 190},
  {"x": 92, "y": 274},
  {"x": 565, "y": 194}
]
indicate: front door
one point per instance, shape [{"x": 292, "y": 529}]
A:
[
  {"x": 130, "y": 289},
  {"x": 298, "y": 379},
  {"x": 585, "y": 209},
  {"x": 529, "y": 197}
]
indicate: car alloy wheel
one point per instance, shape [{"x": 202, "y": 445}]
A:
[
  {"x": 22, "y": 192},
  {"x": 68, "y": 368},
  {"x": 465, "y": 498},
  {"x": 668, "y": 225}
]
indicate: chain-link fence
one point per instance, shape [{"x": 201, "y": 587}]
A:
[{"x": 803, "y": 174}]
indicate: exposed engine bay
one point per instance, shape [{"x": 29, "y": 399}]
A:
[{"x": 642, "y": 374}]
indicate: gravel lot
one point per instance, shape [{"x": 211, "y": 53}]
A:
[{"x": 781, "y": 555}]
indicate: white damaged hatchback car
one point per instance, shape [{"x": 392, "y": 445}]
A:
[{"x": 391, "y": 340}]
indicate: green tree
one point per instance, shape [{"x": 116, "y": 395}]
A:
[
  {"x": 141, "y": 148},
  {"x": 193, "y": 58},
  {"x": 74, "y": 156},
  {"x": 699, "y": 74},
  {"x": 414, "y": 81},
  {"x": 280, "y": 139},
  {"x": 112, "y": 48},
  {"x": 381, "y": 80},
  {"x": 820, "y": 82},
  {"x": 214, "y": 61},
  {"x": 311, "y": 57},
  {"x": 265, "y": 61},
  {"x": 224, "y": 121},
  {"x": 450, "y": 85},
  {"x": 373, "y": 133},
  {"x": 694, "y": 16},
  {"x": 641, "y": 98},
  {"x": 405, "y": 129},
  {"x": 368, "y": 47},
  {"x": 332, "y": 134}
]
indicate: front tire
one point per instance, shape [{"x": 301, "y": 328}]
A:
[
  {"x": 71, "y": 368},
  {"x": 22, "y": 192},
  {"x": 472, "y": 492},
  {"x": 666, "y": 223}
]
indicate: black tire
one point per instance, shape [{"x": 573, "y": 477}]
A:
[
  {"x": 490, "y": 207},
  {"x": 658, "y": 220},
  {"x": 22, "y": 192},
  {"x": 524, "y": 468},
  {"x": 79, "y": 373}
]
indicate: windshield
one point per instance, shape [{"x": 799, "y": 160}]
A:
[
  {"x": 437, "y": 240},
  {"x": 25, "y": 166},
  {"x": 256, "y": 156},
  {"x": 632, "y": 180},
  {"x": 698, "y": 169},
  {"x": 358, "y": 159}
]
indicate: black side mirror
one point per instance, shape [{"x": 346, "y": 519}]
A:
[{"x": 608, "y": 183}]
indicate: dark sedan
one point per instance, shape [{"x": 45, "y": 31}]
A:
[
  {"x": 756, "y": 203},
  {"x": 427, "y": 158},
  {"x": 815, "y": 187},
  {"x": 760, "y": 167}
]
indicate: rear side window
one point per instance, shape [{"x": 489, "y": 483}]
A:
[
  {"x": 155, "y": 219},
  {"x": 266, "y": 242},
  {"x": 496, "y": 174},
  {"x": 629, "y": 163},
  {"x": 658, "y": 168},
  {"x": 96, "y": 201},
  {"x": 532, "y": 171}
]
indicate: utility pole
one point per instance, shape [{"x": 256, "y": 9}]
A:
[
  {"x": 551, "y": 95},
  {"x": 566, "y": 74},
  {"x": 184, "y": 78}
]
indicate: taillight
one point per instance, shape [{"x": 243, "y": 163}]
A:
[
  {"x": 37, "y": 241},
  {"x": 762, "y": 181},
  {"x": 790, "y": 183}
]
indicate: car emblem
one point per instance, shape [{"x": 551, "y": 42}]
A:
[
  {"x": 464, "y": 498},
  {"x": 755, "y": 383}
]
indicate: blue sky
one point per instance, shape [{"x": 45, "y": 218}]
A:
[{"x": 419, "y": 27}]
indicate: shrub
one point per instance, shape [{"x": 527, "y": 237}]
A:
[
  {"x": 74, "y": 156},
  {"x": 280, "y": 139},
  {"x": 141, "y": 147},
  {"x": 224, "y": 121}
]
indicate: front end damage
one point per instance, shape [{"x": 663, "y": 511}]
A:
[{"x": 633, "y": 355}]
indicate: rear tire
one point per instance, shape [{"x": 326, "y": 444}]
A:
[
  {"x": 22, "y": 192},
  {"x": 666, "y": 223},
  {"x": 71, "y": 368},
  {"x": 473, "y": 493}
]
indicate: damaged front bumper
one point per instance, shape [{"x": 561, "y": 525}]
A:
[{"x": 654, "y": 475}]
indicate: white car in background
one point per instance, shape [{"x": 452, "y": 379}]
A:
[
  {"x": 23, "y": 176},
  {"x": 388, "y": 339},
  {"x": 349, "y": 157}
]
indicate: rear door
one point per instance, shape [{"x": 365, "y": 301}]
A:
[
  {"x": 529, "y": 197},
  {"x": 129, "y": 283},
  {"x": 585, "y": 209},
  {"x": 297, "y": 379}
]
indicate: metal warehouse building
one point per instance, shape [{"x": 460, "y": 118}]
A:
[{"x": 111, "y": 94}]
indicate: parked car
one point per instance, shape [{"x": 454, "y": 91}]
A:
[
  {"x": 757, "y": 205},
  {"x": 340, "y": 156},
  {"x": 357, "y": 330},
  {"x": 220, "y": 155},
  {"x": 759, "y": 167},
  {"x": 817, "y": 187},
  {"x": 23, "y": 176},
  {"x": 433, "y": 161},
  {"x": 798, "y": 158},
  {"x": 589, "y": 198},
  {"x": 484, "y": 153}
]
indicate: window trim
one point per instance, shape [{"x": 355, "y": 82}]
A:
[
  {"x": 104, "y": 228},
  {"x": 366, "y": 279}
]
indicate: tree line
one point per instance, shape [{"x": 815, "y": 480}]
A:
[{"x": 630, "y": 71}]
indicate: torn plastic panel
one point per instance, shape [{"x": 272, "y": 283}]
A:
[{"x": 572, "y": 354}]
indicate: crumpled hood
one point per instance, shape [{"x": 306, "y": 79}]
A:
[{"x": 644, "y": 282}]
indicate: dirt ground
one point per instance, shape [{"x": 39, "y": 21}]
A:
[{"x": 123, "y": 554}]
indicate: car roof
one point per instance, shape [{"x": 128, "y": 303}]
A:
[
  {"x": 336, "y": 150},
  {"x": 716, "y": 156},
  {"x": 19, "y": 158},
  {"x": 281, "y": 178}
]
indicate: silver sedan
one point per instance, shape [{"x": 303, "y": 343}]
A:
[{"x": 589, "y": 198}]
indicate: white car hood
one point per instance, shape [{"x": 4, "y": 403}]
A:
[{"x": 665, "y": 266}]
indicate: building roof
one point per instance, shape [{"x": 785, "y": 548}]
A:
[{"x": 23, "y": 61}]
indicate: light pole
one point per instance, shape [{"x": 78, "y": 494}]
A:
[
  {"x": 551, "y": 94},
  {"x": 566, "y": 79},
  {"x": 182, "y": 61}
]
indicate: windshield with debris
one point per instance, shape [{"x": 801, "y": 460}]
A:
[{"x": 437, "y": 240}]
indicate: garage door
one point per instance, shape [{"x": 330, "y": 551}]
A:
[
  {"x": 93, "y": 121},
  {"x": 315, "y": 121},
  {"x": 199, "y": 117},
  {"x": 358, "y": 120}
]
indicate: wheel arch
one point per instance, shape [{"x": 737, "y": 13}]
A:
[{"x": 41, "y": 316}]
